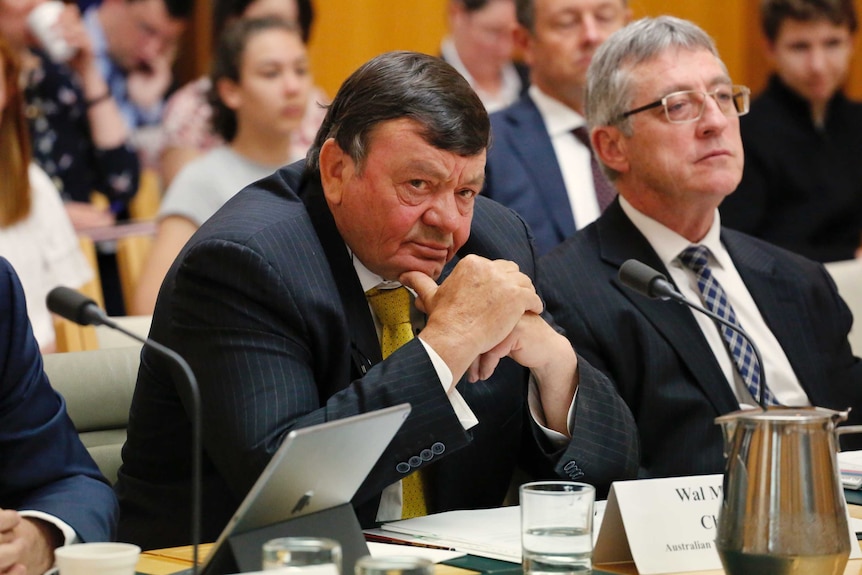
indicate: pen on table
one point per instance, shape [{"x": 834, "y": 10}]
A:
[{"x": 373, "y": 537}]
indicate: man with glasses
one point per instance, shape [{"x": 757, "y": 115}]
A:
[
  {"x": 802, "y": 184},
  {"x": 664, "y": 118},
  {"x": 541, "y": 164}
]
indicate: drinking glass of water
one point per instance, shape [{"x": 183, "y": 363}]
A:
[
  {"x": 302, "y": 556},
  {"x": 394, "y": 565},
  {"x": 557, "y": 527}
]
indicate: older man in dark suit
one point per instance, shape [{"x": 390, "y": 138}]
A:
[
  {"x": 271, "y": 304},
  {"x": 51, "y": 492},
  {"x": 664, "y": 118}
]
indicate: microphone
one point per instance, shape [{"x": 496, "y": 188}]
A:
[
  {"x": 80, "y": 309},
  {"x": 653, "y": 284}
]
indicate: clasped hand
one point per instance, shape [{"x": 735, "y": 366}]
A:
[
  {"x": 484, "y": 311},
  {"x": 26, "y": 545}
]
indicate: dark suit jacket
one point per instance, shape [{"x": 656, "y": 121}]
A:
[
  {"x": 656, "y": 355},
  {"x": 522, "y": 173},
  {"x": 43, "y": 465},
  {"x": 265, "y": 305},
  {"x": 801, "y": 188}
]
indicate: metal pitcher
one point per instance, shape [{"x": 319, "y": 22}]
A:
[{"x": 783, "y": 508}]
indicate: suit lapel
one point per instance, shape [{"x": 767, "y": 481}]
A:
[
  {"x": 365, "y": 348},
  {"x": 533, "y": 144},
  {"x": 620, "y": 240},
  {"x": 777, "y": 301}
]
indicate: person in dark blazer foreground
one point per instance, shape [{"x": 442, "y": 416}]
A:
[
  {"x": 267, "y": 304},
  {"x": 664, "y": 119},
  {"x": 51, "y": 492}
]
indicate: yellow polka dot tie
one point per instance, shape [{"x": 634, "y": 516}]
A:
[{"x": 392, "y": 307}]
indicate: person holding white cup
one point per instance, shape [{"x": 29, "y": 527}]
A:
[{"x": 78, "y": 133}]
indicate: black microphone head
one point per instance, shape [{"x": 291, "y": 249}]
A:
[
  {"x": 647, "y": 281},
  {"x": 640, "y": 277},
  {"x": 74, "y": 306}
]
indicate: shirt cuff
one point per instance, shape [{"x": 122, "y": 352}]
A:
[
  {"x": 69, "y": 534},
  {"x": 556, "y": 438},
  {"x": 444, "y": 374}
]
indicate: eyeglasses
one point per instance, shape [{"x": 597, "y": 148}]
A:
[{"x": 688, "y": 105}]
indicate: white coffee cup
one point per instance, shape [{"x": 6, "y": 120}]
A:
[
  {"x": 97, "y": 559},
  {"x": 41, "y": 22}
]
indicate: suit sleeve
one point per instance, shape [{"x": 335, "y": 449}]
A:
[
  {"x": 271, "y": 357},
  {"x": 43, "y": 464},
  {"x": 604, "y": 444}
]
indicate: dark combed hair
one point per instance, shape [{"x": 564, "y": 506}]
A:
[
  {"x": 224, "y": 11},
  {"x": 774, "y": 12},
  {"x": 228, "y": 62},
  {"x": 409, "y": 85}
]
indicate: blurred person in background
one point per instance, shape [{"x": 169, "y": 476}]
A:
[
  {"x": 260, "y": 87},
  {"x": 135, "y": 43},
  {"x": 541, "y": 164},
  {"x": 78, "y": 135},
  {"x": 187, "y": 131},
  {"x": 35, "y": 232},
  {"x": 480, "y": 46},
  {"x": 802, "y": 184}
]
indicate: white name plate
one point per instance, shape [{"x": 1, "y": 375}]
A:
[
  {"x": 663, "y": 525},
  {"x": 666, "y": 525}
]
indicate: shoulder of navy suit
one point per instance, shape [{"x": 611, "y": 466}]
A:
[{"x": 67, "y": 484}]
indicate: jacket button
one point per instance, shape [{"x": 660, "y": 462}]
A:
[
  {"x": 426, "y": 455},
  {"x": 438, "y": 448},
  {"x": 403, "y": 467},
  {"x": 415, "y": 461},
  {"x": 573, "y": 470}
]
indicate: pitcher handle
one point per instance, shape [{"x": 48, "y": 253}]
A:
[{"x": 848, "y": 429}]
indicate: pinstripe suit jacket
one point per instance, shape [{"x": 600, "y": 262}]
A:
[
  {"x": 656, "y": 355},
  {"x": 265, "y": 305}
]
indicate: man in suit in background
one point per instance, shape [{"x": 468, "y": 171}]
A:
[
  {"x": 801, "y": 187},
  {"x": 51, "y": 492},
  {"x": 271, "y": 304},
  {"x": 480, "y": 45},
  {"x": 664, "y": 120},
  {"x": 540, "y": 164}
]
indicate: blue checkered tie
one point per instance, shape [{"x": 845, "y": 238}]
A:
[{"x": 696, "y": 258}]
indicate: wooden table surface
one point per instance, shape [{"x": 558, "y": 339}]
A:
[{"x": 167, "y": 561}]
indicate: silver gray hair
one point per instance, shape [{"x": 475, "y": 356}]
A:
[{"x": 610, "y": 81}]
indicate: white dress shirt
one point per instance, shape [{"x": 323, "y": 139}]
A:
[
  {"x": 780, "y": 376},
  {"x": 573, "y": 157}
]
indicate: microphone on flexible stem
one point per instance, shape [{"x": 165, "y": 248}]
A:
[
  {"x": 653, "y": 284},
  {"x": 80, "y": 309}
]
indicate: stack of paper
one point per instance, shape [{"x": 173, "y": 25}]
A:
[
  {"x": 494, "y": 533},
  {"x": 850, "y": 463}
]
